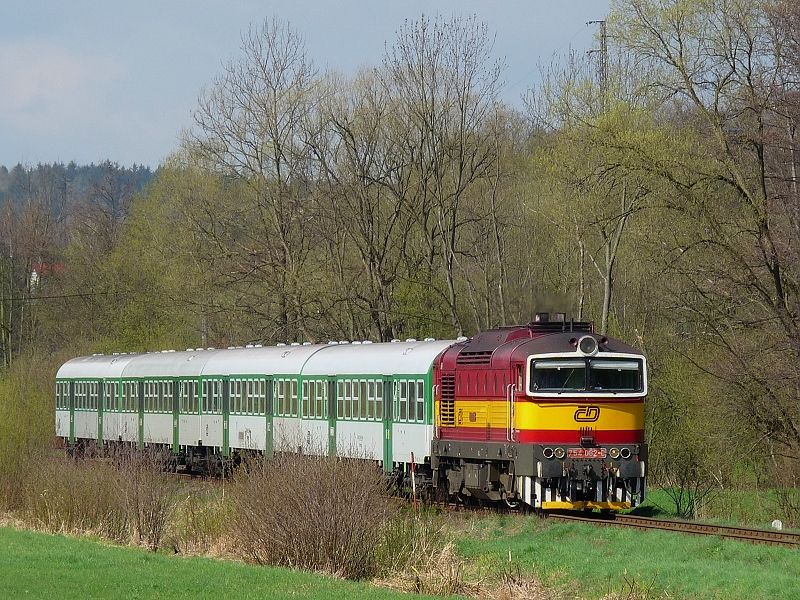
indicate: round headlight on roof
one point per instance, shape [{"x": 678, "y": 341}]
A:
[{"x": 587, "y": 345}]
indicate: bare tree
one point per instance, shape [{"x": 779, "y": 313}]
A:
[
  {"x": 722, "y": 68},
  {"x": 252, "y": 125},
  {"x": 445, "y": 85}
]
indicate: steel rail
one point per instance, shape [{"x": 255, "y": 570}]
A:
[{"x": 755, "y": 536}]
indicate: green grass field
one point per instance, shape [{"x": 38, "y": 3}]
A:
[
  {"x": 594, "y": 561},
  {"x": 37, "y": 565},
  {"x": 574, "y": 560}
]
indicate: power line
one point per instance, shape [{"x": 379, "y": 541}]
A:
[{"x": 54, "y": 297}]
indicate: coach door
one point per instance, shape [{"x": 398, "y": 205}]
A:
[
  {"x": 388, "y": 408},
  {"x": 71, "y": 412},
  {"x": 269, "y": 412},
  {"x": 332, "y": 416}
]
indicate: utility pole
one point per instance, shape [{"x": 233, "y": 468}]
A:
[{"x": 602, "y": 65}]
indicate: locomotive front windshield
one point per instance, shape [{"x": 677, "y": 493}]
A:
[
  {"x": 558, "y": 375},
  {"x": 590, "y": 375}
]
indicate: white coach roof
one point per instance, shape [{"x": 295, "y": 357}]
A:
[
  {"x": 395, "y": 358},
  {"x": 281, "y": 360},
  {"x": 389, "y": 358},
  {"x": 96, "y": 367},
  {"x": 170, "y": 364}
]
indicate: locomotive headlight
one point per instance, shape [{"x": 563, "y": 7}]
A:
[
  {"x": 559, "y": 453},
  {"x": 614, "y": 453},
  {"x": 625, "y": 453},
  {"x": 547, "y": 453},
  {"x": 587, "y": 345}
]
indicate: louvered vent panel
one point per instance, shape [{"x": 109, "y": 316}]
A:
[
  {"x": 474, "y": 358},
  {"x": 447, "y": 406}
]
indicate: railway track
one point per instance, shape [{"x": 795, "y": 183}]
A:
[{"x": 755, "y": 536}]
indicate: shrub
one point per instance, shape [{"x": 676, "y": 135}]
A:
[
  {"x": 125, "y": 497},
  {"x": 312, "y": 512}
]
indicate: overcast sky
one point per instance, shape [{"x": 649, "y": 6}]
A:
[{"x": 86, "y": 80}]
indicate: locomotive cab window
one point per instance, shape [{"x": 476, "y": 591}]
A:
[
  {"x": 614, "y": 375},
  {"x": 607, "y": 375},
  {"x": 558, "y": 375}
]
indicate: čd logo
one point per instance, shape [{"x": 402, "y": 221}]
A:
[{"x": 587, "y": 414}]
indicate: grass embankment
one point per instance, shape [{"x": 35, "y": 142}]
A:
[
  {"x": 745, "y": 507},
  {"x": 593, "y": 561},
  {"x": 40, "y": 565}
]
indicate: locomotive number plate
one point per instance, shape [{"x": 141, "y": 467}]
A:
[{"x": 586, "y": 452}]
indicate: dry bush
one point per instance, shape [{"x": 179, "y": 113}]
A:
[
  {"x": 67, "y": 496},
  {"x": 312, "y": 512},
  {"x": 125, "y": 498},
  {"x": 438, "y": 573},
  {"x": 516, "y": 585},
  {"x": 149, "y": 494},
  {"x": 199, "y": 522}
]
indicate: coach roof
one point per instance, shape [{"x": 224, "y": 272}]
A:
[
  {"x": 388, "y": 358},
  {"x": 95, "y": 367}
]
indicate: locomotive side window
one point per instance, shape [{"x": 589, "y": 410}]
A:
[
  {"x": 558, "y": 375},
  {"x": 614, "y": 375}
]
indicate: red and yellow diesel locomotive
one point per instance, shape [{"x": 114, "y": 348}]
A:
[{"x": 549, "y": 414}]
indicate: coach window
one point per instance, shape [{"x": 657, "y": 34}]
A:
[
  {"x": 348, "y": 398},
  {"x": 294, "y": 398},
  {"x": 420, "y": 400},
  {"x": 363, "y": 398},
  {"x": 403, "y": 400},
  {"x": 412, "y": 399},
  {"x": 371, "y": 401},
  {"x": 280, "y": 395},
  {"x": 109, "y": 396},
  {"x": 261, "y": 390},
  {"x": 306, "y": 397},
  {"x": 379, "y": 400}
]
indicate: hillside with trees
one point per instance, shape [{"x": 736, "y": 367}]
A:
[{"x": 655, "y": 194}]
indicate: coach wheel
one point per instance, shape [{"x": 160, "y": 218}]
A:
[{"x": 513, "y": 504}]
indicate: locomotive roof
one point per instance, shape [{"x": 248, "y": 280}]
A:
[
  {"x": 497, "y": 348},
  {"x": 561, "y": 342},
  {"x": 98, "y": 365},
  {"x": 385, "y": 358}
]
